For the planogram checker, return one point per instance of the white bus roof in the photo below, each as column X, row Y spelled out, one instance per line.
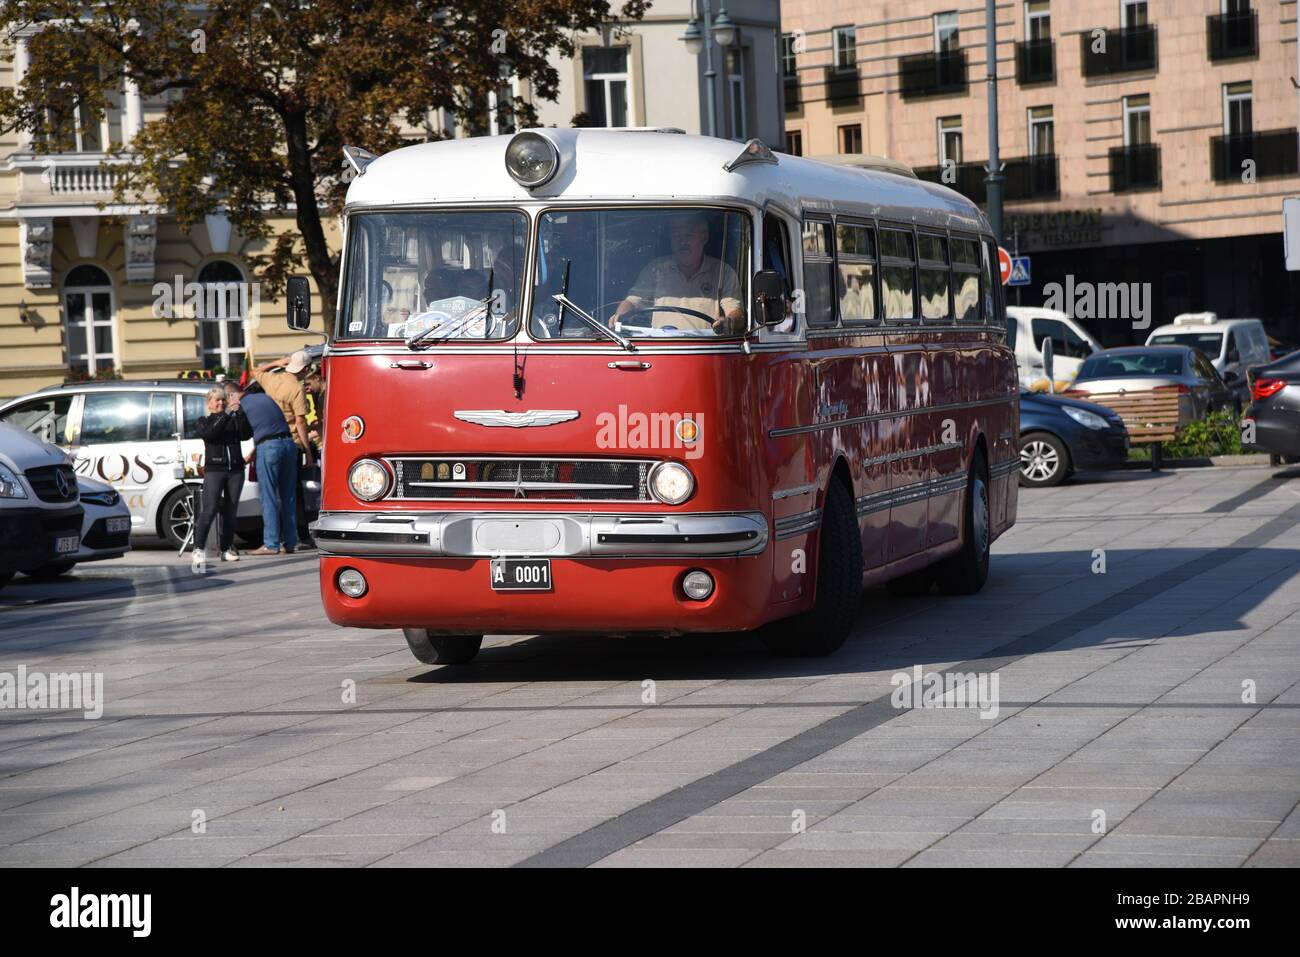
column 632, row 165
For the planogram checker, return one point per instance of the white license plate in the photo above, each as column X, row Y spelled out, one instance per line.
column 521, row 574
column 119, row 525
column 67, row 544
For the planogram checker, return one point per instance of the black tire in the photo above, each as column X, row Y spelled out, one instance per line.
column 52, row 570
column 966, row 572
column 176, row 517
column 825, row 627
column 442, row 649
column 1044, row 460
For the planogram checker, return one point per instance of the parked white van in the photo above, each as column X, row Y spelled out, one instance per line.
column 123, row 432
column 1028, row 326
column 1234, row 346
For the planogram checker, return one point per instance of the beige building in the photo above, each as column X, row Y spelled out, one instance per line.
column 78, row 277
column 1144, row 140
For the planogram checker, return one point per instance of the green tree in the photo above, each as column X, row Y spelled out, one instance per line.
column 261, row 95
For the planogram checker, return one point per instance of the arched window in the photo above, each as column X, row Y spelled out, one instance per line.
column 221, row 326
column 88, row 317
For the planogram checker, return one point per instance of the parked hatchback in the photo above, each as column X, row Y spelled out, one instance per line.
column 137, row 436
column 1061, row 436
column 1156, row 368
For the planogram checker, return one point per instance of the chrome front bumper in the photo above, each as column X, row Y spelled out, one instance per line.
column 534, row 534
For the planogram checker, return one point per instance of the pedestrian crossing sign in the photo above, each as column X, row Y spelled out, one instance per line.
column 1020, row 272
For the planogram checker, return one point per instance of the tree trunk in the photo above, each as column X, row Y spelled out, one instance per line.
column 310, row 226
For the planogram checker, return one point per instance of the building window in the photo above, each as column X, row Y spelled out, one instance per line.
column 794, row 142
column 88, row 316
column 736, row 88
column 950, row 141
column 605, row 83
column 851, row 138
column 789, row 58
column 1042, row 131
column 1134, row 14
column 846, row 48
column 1238, row 109
column 221, row 327
column 1137, row 120
column 947, row 38
column 1038, row 20
column 70, row 127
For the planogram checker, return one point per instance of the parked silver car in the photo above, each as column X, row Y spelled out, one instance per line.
column 105, row 529
column 1144, row 368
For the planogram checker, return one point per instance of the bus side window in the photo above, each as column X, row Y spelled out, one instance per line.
column 993, row 315
column 966, row 279
column 818, row 273
column 776, row 250
column 898, row 273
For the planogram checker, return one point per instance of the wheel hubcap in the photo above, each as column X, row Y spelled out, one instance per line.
column 1038, row 461
column 182, row 518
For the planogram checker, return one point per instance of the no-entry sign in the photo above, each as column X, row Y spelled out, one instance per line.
column 1004, row 261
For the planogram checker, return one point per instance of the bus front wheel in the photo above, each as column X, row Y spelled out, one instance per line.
column 825, row 627
column 442, row 649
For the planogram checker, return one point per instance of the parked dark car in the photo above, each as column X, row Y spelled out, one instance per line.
column 1275, row 408
column 1060, row 436
column 1147, row 368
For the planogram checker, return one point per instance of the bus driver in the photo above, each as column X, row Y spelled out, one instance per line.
column 688, row 280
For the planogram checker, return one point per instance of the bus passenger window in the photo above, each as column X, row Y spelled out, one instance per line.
column 776, row 249
column 898, row 273
column 992, row 316
column 856, row 245
column 818, row 274
column 934, row 277
column 966, row 279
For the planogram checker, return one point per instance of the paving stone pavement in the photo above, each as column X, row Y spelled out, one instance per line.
column 1147, row 715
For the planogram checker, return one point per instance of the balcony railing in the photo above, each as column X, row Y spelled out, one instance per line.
column 842, row 85
column 1126, row 50
column 1231, row 36
column 1134, row 168
column 1026, row 178
column 932, row 74
column 1036, row 61
column 1274, row 153
column 1032, row 177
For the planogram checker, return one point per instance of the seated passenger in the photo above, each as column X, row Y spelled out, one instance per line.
column 691, row 280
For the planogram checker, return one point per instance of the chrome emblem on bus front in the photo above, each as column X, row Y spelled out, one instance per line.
column 516, row 420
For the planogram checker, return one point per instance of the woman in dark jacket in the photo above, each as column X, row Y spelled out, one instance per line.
column 222, row 430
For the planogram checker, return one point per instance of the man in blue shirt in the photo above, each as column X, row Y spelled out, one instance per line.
column 277, row 473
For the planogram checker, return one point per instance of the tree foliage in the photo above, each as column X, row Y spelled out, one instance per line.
column 261, row 95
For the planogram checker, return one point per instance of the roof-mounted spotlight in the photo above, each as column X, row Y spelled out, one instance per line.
column 532, row 160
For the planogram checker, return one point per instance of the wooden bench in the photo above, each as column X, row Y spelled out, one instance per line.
column 1152, row 416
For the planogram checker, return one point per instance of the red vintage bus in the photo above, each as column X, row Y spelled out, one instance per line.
column 633, row 381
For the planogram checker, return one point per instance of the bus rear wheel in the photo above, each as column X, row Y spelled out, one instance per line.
column 966, row 572
column 442, row 649
column 825, row 627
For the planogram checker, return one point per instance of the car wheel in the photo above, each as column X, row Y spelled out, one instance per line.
column 966, row 572
column 1044, row 460
column 839, row 585
column 52, row 570
column 176, row 518
column 442, row 649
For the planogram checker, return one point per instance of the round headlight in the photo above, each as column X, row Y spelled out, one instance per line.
column 531, row 159
column 368, row 480
column 352, row 583
column 671, row 483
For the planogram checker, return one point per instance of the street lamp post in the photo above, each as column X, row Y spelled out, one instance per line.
column 696, row 39
column 995, row 177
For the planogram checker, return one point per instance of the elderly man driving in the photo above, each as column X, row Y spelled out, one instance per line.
column 689, row 280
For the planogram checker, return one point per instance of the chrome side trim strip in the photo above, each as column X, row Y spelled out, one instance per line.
column 880, row 416
column 540, row 534
column 784, row 493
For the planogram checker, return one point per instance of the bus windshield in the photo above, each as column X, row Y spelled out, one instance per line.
column 673, row 273
column 450, row 274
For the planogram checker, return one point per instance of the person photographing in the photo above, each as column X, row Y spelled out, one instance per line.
column 221, row 430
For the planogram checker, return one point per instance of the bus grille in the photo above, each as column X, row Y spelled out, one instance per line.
column 570, row 480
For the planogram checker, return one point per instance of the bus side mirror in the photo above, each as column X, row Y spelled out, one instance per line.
column 299, row 292
column 769, row 297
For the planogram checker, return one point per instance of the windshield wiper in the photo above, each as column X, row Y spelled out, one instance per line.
column 427, row 338
column 565, row 302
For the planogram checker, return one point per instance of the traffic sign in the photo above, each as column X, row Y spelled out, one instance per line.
column 1020, row 272
column 1004, row 261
